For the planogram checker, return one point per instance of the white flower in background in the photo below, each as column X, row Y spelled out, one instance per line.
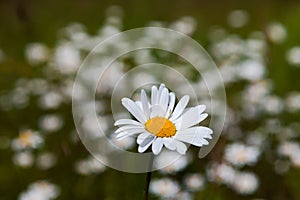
column 221, row 173
column 183, row 195
column 161, row 123
column 23, row 159
column 276, row 32
column 50, row 100
column 245, row 183
column 293, row 56
column 288, row 148
column 240, row 154
column 252, row 70
column 40, row 190
column 46, row 160
column 38, row 86
column 27, row 139
column 67, row 58
column 36, row 53
column 171, row 162
column 230, row 46
column 51, row 122
column 272, row 105
column 126, row 143
column 292, row 102
column 194, row 182
column 89, row 166
column 238, row 18
column 256, row 138
column 186, row 25
column 256, row 91
column 164, row 188
column 292, row 151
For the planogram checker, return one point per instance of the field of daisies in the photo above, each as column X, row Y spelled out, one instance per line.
column 255, row 47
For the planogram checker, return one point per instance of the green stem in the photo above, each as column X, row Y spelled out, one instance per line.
column 148, row 178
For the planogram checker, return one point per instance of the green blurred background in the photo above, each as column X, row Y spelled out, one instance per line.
column 26, row 21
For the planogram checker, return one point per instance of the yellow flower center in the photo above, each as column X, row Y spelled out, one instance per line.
column 161, row 127
column 25, row 137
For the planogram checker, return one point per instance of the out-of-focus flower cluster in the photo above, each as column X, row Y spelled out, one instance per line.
column 256, row 130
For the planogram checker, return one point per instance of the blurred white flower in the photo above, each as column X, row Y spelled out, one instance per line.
column 40, row 190
column 183, row 195
column 221, row 173
column 245, row 183
column 251, row 70
column 50, row 100
column 46, row 160
column 292, row 102
column 67, row 59
column 27, row 139
column 171, row 161
column 238, row 18
column 51, row 122
column 240, row 154
column 38, row 86
column 276, row 32
column 159, row 125
column 273, row 104
column 194, row 182
column 293, row 56
column 110, row 77
column 143, row 56
column 126, row 143
column 292, row 151
column 256, row 139
column 140, row 78
column 288, row 148
column 230, row 46
column 186, row 25
column 36, row 53
column 256, row 91
column 164, row 188
column 23, row 159
column 89, row 166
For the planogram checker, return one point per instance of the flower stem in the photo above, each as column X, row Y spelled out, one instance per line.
column 148, row 178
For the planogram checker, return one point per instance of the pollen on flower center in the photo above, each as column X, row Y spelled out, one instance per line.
column 161, row 127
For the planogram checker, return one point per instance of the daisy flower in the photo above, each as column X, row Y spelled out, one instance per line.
column 160, row 123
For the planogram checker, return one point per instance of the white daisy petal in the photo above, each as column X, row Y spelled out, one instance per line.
column 196, row 135
column 157, row 111
column 122, row 136
column 171, row 105
column 190, row 117
column 169, row 143
column 154, row 95
column 139, row 104
column 203, row 131
column 164, row 99
column 146, row 144
column 129, row 127
column 157, row 146
column 121, row 122
column 130, row 132
column 180, row 147
column 160, row 90
column 180, row 107
column 145, row 104
column 134, row 109
column 141, row 138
